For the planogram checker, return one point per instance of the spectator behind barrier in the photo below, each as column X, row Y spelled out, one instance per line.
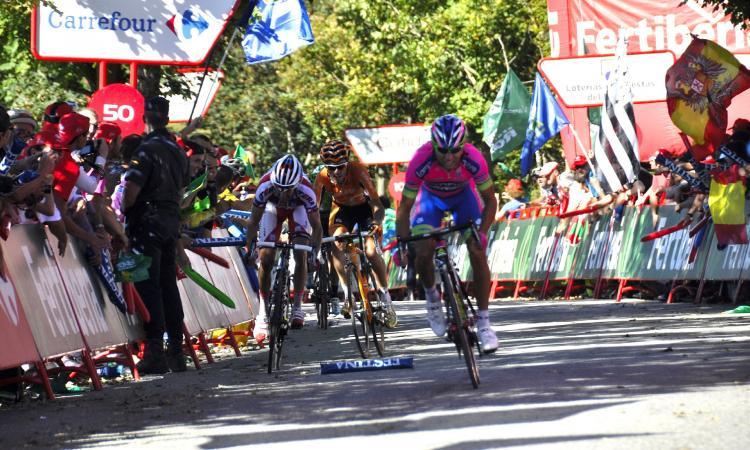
column 514, row 196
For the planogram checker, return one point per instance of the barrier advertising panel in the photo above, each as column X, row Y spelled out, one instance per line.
column 32, row 267
column 96, row 315
column 226, row 280
column 17, row 341
column 210, row 313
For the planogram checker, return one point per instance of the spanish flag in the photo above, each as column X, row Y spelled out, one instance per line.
column 726, row 200
column 700, row 87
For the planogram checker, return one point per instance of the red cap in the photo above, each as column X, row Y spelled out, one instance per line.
column 580, row 161
column 709, row 160
column 514, row 185
column 44, row 137
column 108, row 131
column 72, row 125
column 55, row 111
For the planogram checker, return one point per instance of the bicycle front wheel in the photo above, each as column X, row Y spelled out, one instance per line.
column 360, row 322
column 460, row 328
column 277, row 325
column 322, row 294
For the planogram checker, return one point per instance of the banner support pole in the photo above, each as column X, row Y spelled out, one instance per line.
column 134, row 74
column 102, row 74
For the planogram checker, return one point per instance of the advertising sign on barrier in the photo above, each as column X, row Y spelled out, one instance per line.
column 32, row 267
column 98, row 318
column 158, row 32
column 210, row 313
column 732, row 263
column 17, row 341
column 226, row 280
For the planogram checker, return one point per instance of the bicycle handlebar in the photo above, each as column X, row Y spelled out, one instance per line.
column 441, row 232
column 346, row 237
column 305, row 248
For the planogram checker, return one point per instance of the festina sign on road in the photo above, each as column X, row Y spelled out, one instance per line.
column 387, row 144
column 579, row 81
column 158, row 31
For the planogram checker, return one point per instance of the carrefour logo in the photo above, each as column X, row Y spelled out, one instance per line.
column 187, row 25
column 113, row 22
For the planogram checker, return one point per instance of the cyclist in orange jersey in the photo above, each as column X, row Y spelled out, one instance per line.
column 355, row 202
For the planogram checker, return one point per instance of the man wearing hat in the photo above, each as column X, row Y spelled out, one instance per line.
column 154, row 185
column 547, row 177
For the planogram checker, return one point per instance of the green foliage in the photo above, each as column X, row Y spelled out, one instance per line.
column 739, row 9
column 373, row 63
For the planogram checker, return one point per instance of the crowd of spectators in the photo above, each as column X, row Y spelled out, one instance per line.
column 152, row 193
column 656, row 184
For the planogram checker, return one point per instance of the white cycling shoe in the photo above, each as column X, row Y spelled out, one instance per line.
column 436, row 317
column 260, row 330
column 487, row 339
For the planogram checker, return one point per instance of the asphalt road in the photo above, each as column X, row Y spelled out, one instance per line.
column 580, row 374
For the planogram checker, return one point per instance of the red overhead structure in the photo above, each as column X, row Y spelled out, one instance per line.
column 592, row 27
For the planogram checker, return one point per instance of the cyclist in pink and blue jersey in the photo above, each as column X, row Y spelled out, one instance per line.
column 449, row 174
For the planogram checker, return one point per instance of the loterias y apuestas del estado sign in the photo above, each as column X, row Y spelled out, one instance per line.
column 160, row 32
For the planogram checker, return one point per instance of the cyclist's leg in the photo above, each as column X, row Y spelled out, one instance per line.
column 465, row 207
column 429, row 211
column 269, row 230
column 300, row 230
column 340, row 223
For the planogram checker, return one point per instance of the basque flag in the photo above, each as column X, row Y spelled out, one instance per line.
column 284, row 27
column 616, row 154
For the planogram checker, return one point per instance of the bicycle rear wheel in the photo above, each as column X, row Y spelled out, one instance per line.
column 377, row 324
column 360, row 324
column 460, row 329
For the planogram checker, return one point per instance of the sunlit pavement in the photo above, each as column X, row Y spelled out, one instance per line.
column 580, row 374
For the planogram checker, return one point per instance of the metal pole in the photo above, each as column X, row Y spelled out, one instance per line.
column 102, row 74
column 134, row 75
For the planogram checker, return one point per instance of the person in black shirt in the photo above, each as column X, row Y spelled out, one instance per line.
column 154, row 185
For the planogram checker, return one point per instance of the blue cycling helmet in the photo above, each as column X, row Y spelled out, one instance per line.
column 448, row 132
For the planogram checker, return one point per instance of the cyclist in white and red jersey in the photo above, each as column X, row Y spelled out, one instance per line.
column 284, row 194
column 448, row 174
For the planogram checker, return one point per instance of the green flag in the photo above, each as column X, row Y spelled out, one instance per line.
column 242, row 155
column 196, row 185
column 506, row 122
column 202, row 204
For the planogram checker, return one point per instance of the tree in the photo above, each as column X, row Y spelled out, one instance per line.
column 739, row 9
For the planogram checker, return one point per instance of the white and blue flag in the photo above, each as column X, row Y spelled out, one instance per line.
column 283, row 27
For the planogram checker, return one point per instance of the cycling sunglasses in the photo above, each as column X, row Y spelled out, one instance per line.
column 336, row 167
column 453, row 150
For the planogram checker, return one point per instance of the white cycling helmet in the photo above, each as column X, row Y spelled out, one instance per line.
column 235, row 164
column 286, row 172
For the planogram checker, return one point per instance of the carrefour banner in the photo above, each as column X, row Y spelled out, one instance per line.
column 159, row 31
